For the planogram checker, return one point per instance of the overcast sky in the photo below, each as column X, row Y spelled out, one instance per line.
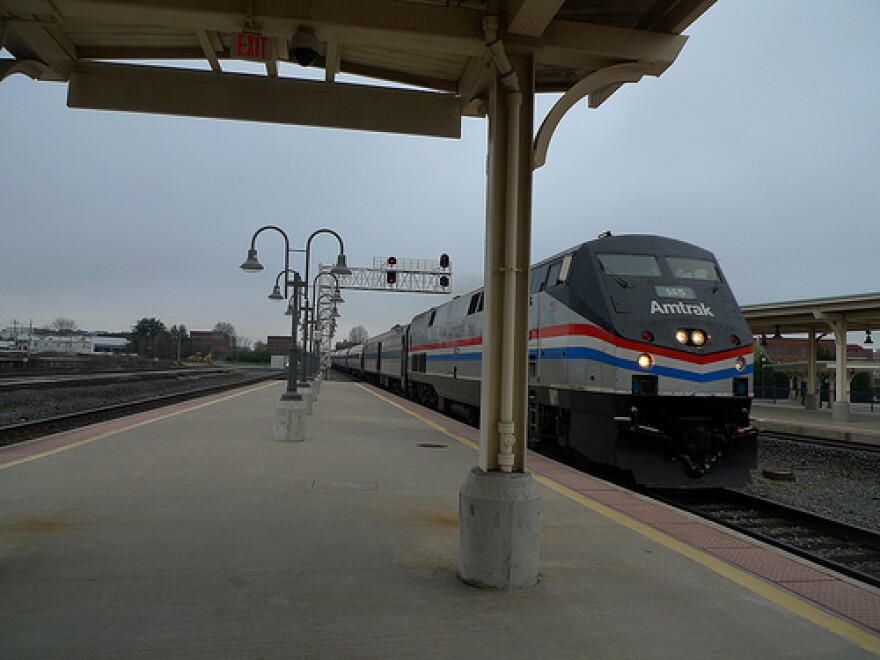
column 761, row 143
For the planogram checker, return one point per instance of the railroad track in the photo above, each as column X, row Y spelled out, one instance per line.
column 849, row 550
column 824, row 442
column 23, row 431
column 38, row 381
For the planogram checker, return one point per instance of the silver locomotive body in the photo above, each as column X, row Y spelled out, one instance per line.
column 639, row 359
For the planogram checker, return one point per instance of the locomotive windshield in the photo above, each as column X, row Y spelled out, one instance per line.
column 694, row 269
column 636, row 265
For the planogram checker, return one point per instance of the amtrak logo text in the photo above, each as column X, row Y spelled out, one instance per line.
column 701, row 309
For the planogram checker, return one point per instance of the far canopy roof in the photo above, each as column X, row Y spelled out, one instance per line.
column 861, row 312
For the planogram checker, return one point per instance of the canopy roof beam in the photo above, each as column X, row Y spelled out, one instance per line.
column 99, row 86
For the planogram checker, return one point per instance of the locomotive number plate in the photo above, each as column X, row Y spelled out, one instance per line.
column 677, row 292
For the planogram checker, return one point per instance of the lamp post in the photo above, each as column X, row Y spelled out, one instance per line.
column 291, row 411
column 325, row 321
column 341, row 268
column 335, row 298
column 764, row 361
column 253, row 265
column 293, row 310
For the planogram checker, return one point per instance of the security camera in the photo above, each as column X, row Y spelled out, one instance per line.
column 304, row 47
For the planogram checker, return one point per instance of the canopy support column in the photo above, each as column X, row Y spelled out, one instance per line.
column 812, row 398
column 842, row 410
column 499, row 503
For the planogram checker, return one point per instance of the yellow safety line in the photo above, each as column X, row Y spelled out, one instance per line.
column 101, row 436
column 771, row 592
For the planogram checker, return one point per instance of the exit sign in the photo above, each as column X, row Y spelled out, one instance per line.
column 247, row 46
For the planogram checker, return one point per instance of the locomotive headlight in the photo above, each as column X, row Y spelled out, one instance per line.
column 740, row 363
column 681, row 336
column 698, row 337
column 646, row 361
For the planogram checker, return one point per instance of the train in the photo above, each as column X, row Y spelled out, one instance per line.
column 639, row 359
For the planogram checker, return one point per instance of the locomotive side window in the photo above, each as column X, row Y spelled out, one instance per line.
column 635, row 265
column 694, row 269
column 553, row 274
column 476, row 304
column 539, row 276
column 419, row 362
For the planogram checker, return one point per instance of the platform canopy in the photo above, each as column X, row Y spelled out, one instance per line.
column 438, row 46
column 861, row 312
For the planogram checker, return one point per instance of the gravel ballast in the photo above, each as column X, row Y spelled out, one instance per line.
column 27, row 405
column 843, row 484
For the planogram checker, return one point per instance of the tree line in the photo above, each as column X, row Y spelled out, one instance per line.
column 151, row 338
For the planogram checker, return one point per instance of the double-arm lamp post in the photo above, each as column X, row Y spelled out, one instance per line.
column 293, row 285
column 293, row 281
column 332, row 299
column 325, row 325
column 341, row 268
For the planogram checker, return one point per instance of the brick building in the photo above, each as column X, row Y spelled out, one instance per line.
column 203, row 342
column 783, row 350
column 278, row 344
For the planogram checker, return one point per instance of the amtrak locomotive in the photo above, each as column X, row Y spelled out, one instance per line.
column 639, row 359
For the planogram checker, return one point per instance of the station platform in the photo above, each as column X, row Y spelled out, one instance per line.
column 190, row 533
column 791, row 417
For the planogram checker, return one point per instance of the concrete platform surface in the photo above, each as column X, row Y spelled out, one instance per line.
column 791, row 417
column 191, row 533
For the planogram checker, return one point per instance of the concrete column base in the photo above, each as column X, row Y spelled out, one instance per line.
column 811, row 402
column 499, row 530
column 290, row 421
column 308, row 396
column 841, row 411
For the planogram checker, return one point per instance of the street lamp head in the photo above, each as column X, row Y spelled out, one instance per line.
column 252, row 264
column 341, row 267
column 276, row 293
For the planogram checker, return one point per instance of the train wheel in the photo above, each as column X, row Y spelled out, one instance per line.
column 431, row 399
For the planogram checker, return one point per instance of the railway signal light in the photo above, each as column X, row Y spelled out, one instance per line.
column 391, row 276
column 444, row 260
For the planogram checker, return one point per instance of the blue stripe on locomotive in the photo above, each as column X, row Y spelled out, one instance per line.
column 582, row 353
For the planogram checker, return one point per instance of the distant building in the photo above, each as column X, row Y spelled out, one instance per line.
column 791, row 355
column 16, row 337
column 278, row 344
column 203, row 342
column 784, row 350
column 76, row 344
